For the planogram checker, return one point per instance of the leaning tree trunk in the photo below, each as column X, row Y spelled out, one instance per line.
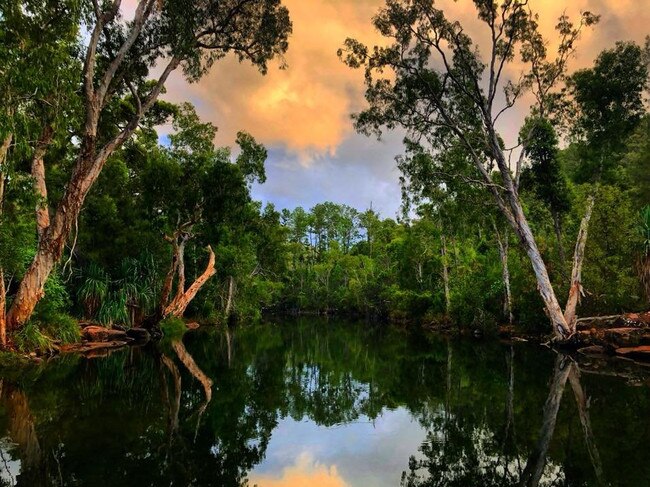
column 91, row 158
column 510, row 205
column 576, row 291
column 52, row 242
column 183, row 297
column 560, row 326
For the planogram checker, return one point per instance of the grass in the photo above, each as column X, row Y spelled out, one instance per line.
column 30, row 339
column 63, row 328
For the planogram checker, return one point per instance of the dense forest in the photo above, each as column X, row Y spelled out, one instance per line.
column 117, row 208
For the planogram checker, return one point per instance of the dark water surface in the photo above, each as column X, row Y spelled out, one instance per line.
column 325, row 404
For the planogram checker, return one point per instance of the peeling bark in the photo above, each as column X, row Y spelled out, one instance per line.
column 90, row 159
column 576, row 291
column 178, row 305
column 38, row 174
column 4, row 149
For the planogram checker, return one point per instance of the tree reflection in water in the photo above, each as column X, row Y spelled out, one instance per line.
column 476, row 464
column 204, row 411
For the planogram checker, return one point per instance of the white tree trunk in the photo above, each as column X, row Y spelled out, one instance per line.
column 576, row 291
column 445, row 273
column 502, row 242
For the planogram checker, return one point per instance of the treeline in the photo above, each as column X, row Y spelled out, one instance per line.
column 105, row 218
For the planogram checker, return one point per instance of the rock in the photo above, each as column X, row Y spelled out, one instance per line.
column 193, row 325
column 95, row 333
column 592, row 350
column 139, row 334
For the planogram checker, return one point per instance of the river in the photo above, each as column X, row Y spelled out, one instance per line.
column 325, row 404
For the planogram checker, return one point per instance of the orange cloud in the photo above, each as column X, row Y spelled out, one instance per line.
column 305, row 109
column 306, row 472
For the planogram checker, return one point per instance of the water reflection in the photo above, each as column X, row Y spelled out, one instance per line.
column 322, row 404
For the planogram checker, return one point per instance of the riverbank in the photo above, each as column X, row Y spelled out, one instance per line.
column 625, row 337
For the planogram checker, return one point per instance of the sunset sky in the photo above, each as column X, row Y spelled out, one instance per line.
column 302, row 114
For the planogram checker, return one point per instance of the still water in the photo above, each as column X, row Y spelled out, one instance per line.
column 325, row 404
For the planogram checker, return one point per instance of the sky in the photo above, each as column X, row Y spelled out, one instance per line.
column 302, row 113
column 357, row 454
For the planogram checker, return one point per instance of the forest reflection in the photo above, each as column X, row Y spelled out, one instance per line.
column 226, row 407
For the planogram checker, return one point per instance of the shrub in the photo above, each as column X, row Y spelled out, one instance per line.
column 30, row 338
column 173, row 328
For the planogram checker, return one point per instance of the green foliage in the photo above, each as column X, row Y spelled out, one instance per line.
column 62, row 328
column 30, row 338
column 608, row 98
column 173, row 328
column 644, row 230
column 544, row 175
column 93, row 289
column 55, row 302
column 331, row 258
column 113, row 309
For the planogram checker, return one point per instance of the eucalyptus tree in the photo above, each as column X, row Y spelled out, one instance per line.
column 37, row 55
column 118, row 58
column 432, row 81
column 192, row 190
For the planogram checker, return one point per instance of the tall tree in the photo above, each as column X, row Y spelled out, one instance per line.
column 606, row 105
column 432, row 81
column 118, row 57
